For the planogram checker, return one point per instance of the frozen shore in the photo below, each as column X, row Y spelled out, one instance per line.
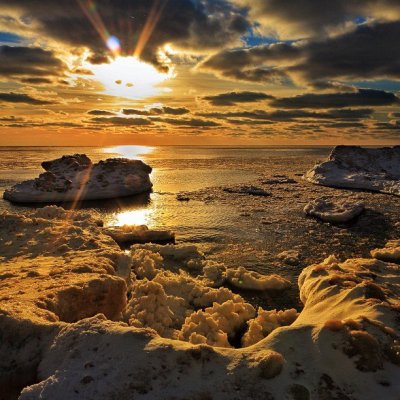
column 80, row 318
column 75, row 178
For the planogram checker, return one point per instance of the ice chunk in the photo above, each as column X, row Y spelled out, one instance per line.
column 245, row 279
column 139, row 234
column 265, row 322
column 354, row 167
column 75, row 178
column 216, row 324
column 334, row 210
column 390, row 253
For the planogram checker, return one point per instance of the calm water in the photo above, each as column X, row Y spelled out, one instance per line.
column 239, row 230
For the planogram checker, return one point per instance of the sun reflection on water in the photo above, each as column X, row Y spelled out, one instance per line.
column 131, row 152
column 132, row 217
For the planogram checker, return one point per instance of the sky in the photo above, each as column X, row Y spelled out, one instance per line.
column 199, row 72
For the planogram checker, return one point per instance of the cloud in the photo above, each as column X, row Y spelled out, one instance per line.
column 156, row 111
column 140, row 26
column 307, row 18
column 22, row 98
column 362, row 98
column 292, row 115
column 232, row 98
column 30, row 64
column 101, row 112
column 121, row 121
column 367, row 52
column 193, row 122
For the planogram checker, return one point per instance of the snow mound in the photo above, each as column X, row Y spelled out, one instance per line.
column 334, row 210
column 76, row 178
column 390, row 253
column 354, row 167
column 245, row 279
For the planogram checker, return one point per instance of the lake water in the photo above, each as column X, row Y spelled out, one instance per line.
column 240, row 230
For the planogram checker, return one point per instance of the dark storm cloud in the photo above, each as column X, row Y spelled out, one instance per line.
column 292, row 115
column 302, row 18
column 101, row 112
column 369, row 51
column 198, row 25
column 29, row 64
column 254, row 64
column 363, row 98
column 121, row 121
column 156, row 111
column 22, row 98
column 232, row 98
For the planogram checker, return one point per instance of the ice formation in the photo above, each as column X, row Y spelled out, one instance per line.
column 251, row 190
column 390, row 253
column 75, row 178
column 245, row 279
column 334, row 210
column 265, row 322
column 139, row 234
column 354, row 167
column 290, row 257
column 69, row 331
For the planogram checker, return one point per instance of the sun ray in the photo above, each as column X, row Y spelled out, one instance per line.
column 151, row 23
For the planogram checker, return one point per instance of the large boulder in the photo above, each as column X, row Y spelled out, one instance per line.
column 354, row 167
column 76, row 178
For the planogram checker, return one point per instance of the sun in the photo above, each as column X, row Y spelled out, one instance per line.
column 130, row 78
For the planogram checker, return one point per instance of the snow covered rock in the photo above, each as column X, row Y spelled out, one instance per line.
column 332, row 210
column 139, row 234
column 354, row 167
column 245, row 279
column 76, row 178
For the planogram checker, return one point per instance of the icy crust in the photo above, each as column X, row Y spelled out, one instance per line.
column 73, row 178
column 343, row 345
column 355, row 167
column 334, row 210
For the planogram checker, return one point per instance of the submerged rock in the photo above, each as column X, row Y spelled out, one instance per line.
column 335, row 211
column 76, row 178
column 354, row 167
